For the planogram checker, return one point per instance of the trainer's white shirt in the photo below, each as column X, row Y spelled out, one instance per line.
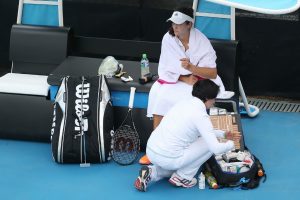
column 181, row 126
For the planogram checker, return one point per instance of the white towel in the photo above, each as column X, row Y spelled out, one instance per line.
column 200, row 49
column 200, row 53
column 24, row 84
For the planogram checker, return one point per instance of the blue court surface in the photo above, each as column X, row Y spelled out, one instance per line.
column 27, row 170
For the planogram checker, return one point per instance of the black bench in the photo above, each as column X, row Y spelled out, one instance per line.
column 132, row 50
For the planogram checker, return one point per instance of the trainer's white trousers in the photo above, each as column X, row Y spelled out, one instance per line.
column 185, row 166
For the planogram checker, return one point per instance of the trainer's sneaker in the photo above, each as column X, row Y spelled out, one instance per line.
column 182, row 182
column 143, row 179
column 144, row 160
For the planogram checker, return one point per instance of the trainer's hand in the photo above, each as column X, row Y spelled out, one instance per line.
column 185, row 63
column 234, row 137
column 230, row 144
column 228, row 135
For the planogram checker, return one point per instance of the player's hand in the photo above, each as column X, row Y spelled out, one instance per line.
column 189, row 79
column 185, row 63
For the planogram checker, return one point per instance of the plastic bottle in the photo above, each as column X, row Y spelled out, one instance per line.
column 201, row 181
column 212, row 182
column 144, row 65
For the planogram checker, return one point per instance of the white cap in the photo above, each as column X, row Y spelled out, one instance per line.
column 180, row 18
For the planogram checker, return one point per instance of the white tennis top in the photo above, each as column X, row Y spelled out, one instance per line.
column 181, row 126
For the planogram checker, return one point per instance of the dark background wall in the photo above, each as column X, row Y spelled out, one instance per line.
column 270, row 52
column 8, row 16
column 270, row 48
column 122, row 19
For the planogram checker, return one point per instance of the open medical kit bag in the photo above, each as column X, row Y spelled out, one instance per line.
column 238, row 168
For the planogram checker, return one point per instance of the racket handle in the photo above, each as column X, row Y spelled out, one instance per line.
column 131, row 97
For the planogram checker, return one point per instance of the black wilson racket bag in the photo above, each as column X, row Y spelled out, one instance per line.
column 83, row 121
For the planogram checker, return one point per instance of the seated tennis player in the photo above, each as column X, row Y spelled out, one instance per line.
column 184, row 140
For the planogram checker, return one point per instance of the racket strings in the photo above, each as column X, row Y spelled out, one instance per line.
column 126, row 145
column 126, row 117
column 126, row 142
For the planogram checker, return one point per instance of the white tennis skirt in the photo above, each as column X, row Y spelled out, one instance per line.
column 163, row 96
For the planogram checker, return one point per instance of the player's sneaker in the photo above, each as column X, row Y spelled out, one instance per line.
column 144, row 160
column 143, row 179
column 182, row 182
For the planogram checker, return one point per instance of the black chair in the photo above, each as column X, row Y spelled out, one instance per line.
column 35, row 51
column 227, row 69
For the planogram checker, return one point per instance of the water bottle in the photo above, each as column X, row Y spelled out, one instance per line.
column 201, row 181
column 212, row 182
column 144, row 65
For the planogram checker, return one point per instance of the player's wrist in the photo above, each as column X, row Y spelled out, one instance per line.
column 191, row 67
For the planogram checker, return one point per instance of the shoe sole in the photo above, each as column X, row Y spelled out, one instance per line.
column 140, row 181
column 144, row 163
column 144, row 160
column 139, row 185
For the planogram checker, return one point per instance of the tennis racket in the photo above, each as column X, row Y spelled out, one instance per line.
column 126, row 141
